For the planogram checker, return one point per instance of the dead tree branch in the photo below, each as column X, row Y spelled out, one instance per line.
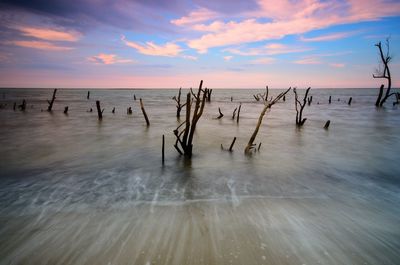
column 179, row 106
column 49, row 108
column 220, row 114
column 144, row 112
column 267, row 106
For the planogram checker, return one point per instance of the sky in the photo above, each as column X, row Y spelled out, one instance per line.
column 177, row 43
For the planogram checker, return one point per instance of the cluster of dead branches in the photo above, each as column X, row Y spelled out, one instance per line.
column 184, row 138
column 300, row 107
column 384, row 74
column 179, row 105
column 263, row 97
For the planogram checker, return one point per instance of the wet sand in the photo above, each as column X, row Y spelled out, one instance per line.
column 246, row 231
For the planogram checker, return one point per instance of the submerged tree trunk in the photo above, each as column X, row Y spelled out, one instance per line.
column 144, row 112
column 384, row 74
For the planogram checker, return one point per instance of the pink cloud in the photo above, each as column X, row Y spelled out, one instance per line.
column 269, row 49
column 290, row 18
column 337, row 65
column 267, row 60
column 103, row 58
column 40, row 45
column 328, row 37
column 228, row 58
column 49, row 34
column 308, row 60
column 197, row 16
column 169, row 49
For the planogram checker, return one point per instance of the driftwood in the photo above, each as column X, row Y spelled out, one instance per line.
column 179, row 106
column 51, row 102
column 185, row 137
column 238, row 114
column 99, row 111
column 300, row 107
column 326, row 126
column 349, row 102
column 384, row 74
column 144, row 113
column 267, row 106
column 66, row 110
column 220, row 114
column 263, row 96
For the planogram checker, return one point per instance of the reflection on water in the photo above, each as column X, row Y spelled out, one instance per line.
column 56, row 163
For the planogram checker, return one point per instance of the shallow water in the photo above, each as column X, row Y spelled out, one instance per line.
column 98, row 190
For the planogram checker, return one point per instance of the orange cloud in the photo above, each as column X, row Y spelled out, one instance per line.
column 103, row 58
column 267, row 60
column 337, row 65
column 169, row 49
column 49, row 34
column 40, row 45
column 269, row 49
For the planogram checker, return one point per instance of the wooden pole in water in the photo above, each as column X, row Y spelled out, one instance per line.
column 163, row 149
column 144, row 112
column 328, row 122
column 88, row 95
column 350, row 99
column 99, row 112
column 52, row 100
column 66, row 110
column 330, row 99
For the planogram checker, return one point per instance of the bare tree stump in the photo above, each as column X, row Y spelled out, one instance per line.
column 113, row 111
column 15, row 106
column 350, row 99
column 234, row 113
column 22, row 107
column 144, row 113
column 129, row 111
column 66, row 110
column 88, row 95
column 99, row 111
column 330, row 99
column 232, row 144
column 179, row 106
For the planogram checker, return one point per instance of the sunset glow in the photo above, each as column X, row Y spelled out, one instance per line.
column 169, row 44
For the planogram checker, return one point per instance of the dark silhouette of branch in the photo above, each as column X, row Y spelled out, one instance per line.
column 300, row 107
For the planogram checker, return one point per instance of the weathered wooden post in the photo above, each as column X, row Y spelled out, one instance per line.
column 163, row 149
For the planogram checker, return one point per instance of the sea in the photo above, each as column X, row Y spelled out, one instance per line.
column 78, row 190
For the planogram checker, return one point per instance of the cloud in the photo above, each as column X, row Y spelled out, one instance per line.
column 189, row 57
column 337, row 65
column 169, row 49
column 266, row 60
column 328, row 37
column 49, row 34
column 228, row 58
column 308, row 60
column 199, row 15
column 104, row 58
column 40, row 45
column 269, row 49
column 290, row 18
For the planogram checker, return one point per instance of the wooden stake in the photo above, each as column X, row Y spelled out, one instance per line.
column 328, row 122
column 350, row 99
column 52, row 100
column 66, row 110
column 237, row 118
